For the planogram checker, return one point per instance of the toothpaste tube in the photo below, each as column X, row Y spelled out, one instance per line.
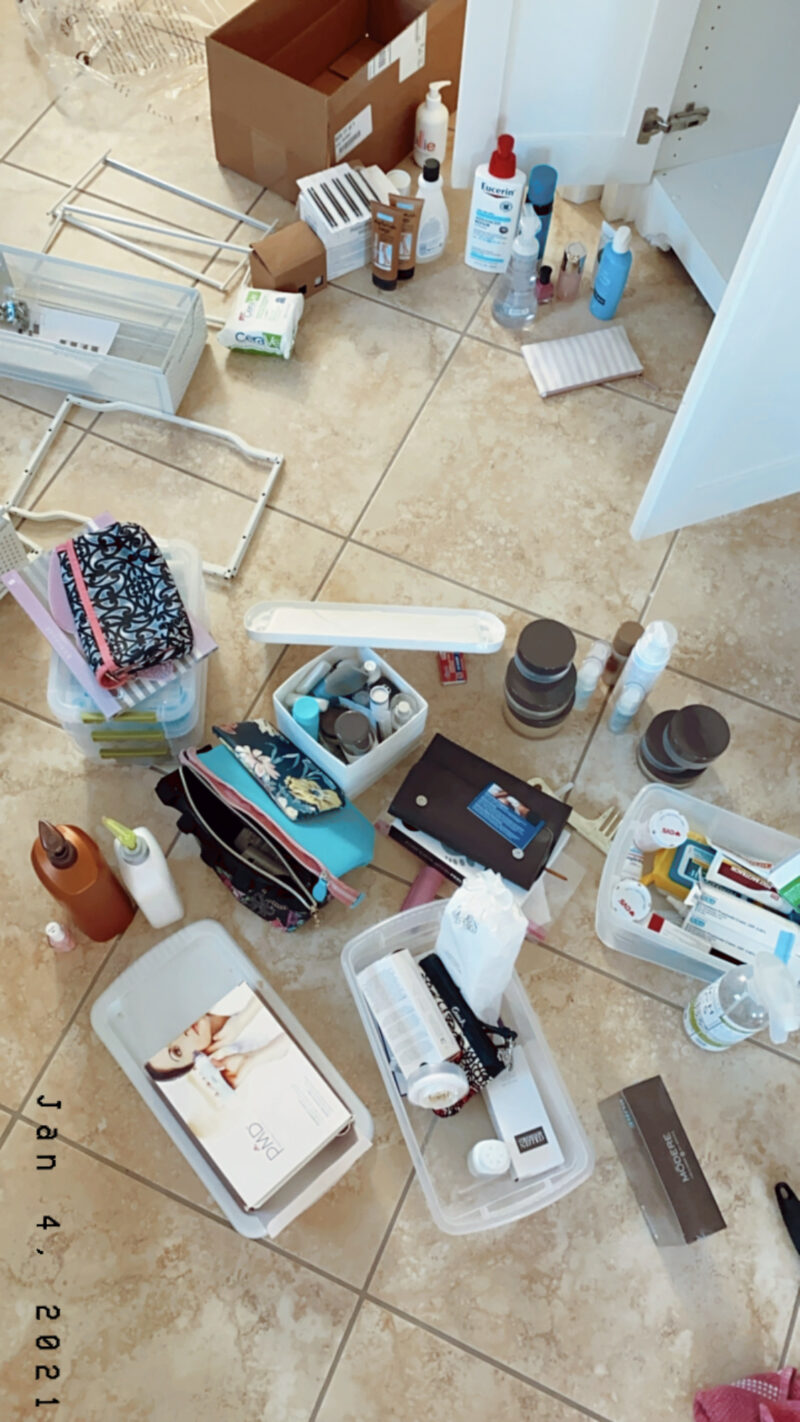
column 739, row 928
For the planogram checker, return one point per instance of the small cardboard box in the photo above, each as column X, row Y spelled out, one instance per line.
column 297, row 85
column 662, row 1168
column 292, row 259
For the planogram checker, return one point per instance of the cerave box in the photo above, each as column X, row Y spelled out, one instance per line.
column 282, row 105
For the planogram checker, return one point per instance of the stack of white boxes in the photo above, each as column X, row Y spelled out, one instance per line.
column 336, row 205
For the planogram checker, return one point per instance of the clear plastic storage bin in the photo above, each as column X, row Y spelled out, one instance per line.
column 353, row 779
column 166, row 722
column 162, row 331
column 721, row 827
column 459, row 1203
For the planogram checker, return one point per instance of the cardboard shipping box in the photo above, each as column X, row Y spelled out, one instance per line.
column 297, row 85
column 291, row 259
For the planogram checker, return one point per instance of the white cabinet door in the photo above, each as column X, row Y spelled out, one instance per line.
column 735, row 440
column 571, row 82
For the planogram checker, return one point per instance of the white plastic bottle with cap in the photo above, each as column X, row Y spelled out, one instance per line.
column 434, row 220
column 649, row 657
column 497, row 194
column 589, row 673
column 611, row 275
column 144, row 871
column 430, row 127
column 516, row 301
column 625, row 707
column 744, row 1000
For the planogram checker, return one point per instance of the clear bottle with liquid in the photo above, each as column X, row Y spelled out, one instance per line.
column 745, row 1000
column 516, row 301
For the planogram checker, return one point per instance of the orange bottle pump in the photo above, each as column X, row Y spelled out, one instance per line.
column 72, row 868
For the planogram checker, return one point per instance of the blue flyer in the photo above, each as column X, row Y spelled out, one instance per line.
column 506, row 815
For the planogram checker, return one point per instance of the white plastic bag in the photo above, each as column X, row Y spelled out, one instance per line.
column 481, row 934
column 116, row 57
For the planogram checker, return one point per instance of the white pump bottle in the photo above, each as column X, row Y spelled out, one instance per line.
column 515, row 302
column 145, row 873
column 430, row 127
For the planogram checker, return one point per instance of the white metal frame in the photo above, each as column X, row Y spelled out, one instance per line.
column 261, row 456
column 67, row 211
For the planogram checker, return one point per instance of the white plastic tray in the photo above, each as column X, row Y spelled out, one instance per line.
column 459, row 1203
column 153, row 1000
column 315, row 624
column 722, row 827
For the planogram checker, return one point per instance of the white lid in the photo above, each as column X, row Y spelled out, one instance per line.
column 656, row 643
column 489, row 1157
column 775, row 987
column 630, row 897
column 348, row 624
column 622, row 239
column 437, row 1087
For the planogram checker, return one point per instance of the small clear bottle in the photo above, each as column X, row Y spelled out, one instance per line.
column 569, row 278
column 744, row 1000
column 516, row 301
column 589, row 673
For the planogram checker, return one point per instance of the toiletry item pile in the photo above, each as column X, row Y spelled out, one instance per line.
column 350, row 706
column 721, row 903
column 440, row 1024
column 336, row 203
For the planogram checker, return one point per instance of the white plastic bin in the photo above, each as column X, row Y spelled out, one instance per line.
column 721, row 827
column 162, row 331
column 356, row 777
column 152, row 1001
column 458, row 1202
column 166, row 722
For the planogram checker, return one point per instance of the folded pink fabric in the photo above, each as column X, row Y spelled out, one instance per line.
column 764, row 1397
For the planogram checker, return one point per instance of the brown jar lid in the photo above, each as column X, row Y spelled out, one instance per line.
column 626, row 637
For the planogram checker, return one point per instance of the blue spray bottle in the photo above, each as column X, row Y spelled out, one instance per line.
column 611, row 275
column 541, row 192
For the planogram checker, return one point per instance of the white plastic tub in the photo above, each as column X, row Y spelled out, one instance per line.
column 152, row 1001
column 166, row 722
column 458, row 1202
column 162, row 331
column 356, row 777
column 722, row 827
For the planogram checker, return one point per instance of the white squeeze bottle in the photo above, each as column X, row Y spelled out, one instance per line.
column 434, row 220
column 515, row 301
column 744, row 1000
column 494, row 214
column 649, row 656
column 144, row 871
column 430, row 128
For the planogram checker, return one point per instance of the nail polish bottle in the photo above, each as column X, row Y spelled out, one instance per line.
column 544, row 285
column 569, row 278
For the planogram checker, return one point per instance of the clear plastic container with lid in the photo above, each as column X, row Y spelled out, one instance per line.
column 459, row 1202
column 166, row 722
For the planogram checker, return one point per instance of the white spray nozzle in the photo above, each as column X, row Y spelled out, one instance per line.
column 434, row 94
column 526, row 242
column 775, row 986
column 622, row 239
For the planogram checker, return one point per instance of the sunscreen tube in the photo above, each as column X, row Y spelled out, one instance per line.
column 410, row 210
column 386, row 226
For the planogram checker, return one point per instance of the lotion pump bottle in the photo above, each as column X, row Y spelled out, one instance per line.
column 430, row 128
column 72, row 868
column 145, row 874
column 494, row 213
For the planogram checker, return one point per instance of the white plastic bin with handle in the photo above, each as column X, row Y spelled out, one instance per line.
column 459, row 1203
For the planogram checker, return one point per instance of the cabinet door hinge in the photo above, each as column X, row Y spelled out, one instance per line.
column 652, row 122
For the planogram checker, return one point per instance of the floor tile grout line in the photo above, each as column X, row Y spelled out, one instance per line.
column 174, row 468
column 337, row 1357
column 410, row 430
column 194, row 1206
column 28, row 711
column 400, row 310
column 789, row 1332
column 658, row 575
column 482, row 1357
column 23, row 136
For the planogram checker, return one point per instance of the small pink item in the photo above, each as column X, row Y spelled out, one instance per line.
column 60, row 938
column 763, row 1397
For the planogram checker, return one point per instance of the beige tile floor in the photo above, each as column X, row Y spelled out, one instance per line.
column 420, row 467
